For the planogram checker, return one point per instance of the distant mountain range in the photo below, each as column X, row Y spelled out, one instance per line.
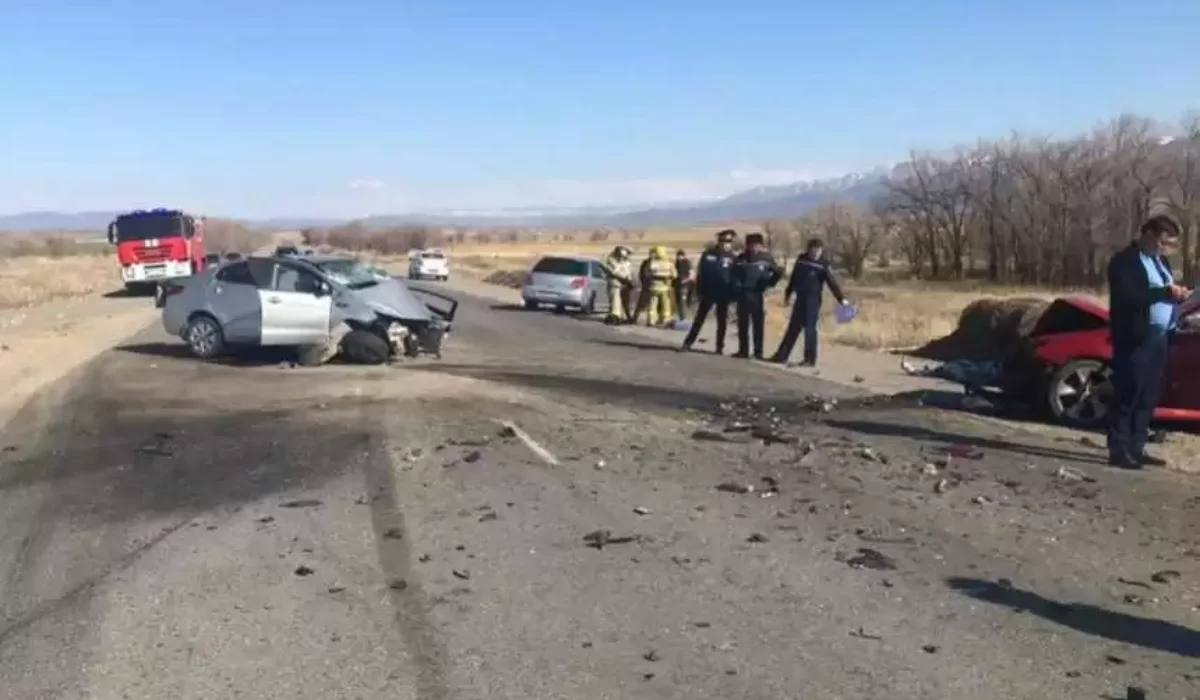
column 770, row 202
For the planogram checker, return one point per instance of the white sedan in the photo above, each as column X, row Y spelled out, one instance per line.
column 429, row 264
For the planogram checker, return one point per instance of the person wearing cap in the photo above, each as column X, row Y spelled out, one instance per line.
column 810, row 275
column 684, row 284
column 714, row 287
column 754, row 272
column 619, row 268
column 1142, row 295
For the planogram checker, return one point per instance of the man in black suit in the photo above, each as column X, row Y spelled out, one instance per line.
column 1142, row 297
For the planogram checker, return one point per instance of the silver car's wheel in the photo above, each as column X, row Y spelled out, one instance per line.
column 204, row 337
column 1081, row 393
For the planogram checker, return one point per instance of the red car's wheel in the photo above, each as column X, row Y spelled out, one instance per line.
column 1080, row 393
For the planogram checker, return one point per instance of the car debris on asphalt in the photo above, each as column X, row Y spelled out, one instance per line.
column 303, row 503
column 600, row 539
column 868, row 558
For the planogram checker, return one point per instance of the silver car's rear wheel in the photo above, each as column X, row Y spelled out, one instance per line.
column 1080, row 393
column 204, row 337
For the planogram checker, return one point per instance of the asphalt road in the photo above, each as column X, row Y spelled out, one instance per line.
column 173, row 528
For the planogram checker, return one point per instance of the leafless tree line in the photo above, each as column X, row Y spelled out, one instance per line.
column 1021, row 210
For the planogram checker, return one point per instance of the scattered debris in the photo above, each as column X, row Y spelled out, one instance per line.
column 158, row 448
column 771, row 436
column 1065, row 473
column 602, row 538
column 714, row 436
column 772, row 486
column 641, row 511
column 872, row 559
column 303, row 570
column 1165, row 576
column 868, row 454
column 393, row 533
column 472, row 456
column 302, row 503
column 964, row 451
column 461, row 574
column 867, row 535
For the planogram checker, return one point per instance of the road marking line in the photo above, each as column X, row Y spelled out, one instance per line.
column 542, row 453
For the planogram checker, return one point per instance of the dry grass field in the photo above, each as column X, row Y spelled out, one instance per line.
column 34, row 270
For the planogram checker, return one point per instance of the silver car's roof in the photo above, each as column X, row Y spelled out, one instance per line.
column 576, row 258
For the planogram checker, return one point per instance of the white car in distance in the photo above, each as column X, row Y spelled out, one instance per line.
column 428, row 264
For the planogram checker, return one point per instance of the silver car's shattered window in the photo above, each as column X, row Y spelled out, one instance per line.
column 352, row 274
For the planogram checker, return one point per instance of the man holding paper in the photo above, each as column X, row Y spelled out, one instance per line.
column 810, row 275
column 1142, row 300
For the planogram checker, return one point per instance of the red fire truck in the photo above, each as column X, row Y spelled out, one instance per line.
column 157, row 245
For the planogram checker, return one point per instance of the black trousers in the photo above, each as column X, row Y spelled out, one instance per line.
column 805, row 314
column 643, row 300
column 709, row 303
column 1138, row 370
column 750, row 315
column 683, row 293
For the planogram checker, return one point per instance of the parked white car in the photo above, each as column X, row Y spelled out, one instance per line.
column 429, row 264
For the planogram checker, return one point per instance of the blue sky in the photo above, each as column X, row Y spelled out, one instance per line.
column 272, row 107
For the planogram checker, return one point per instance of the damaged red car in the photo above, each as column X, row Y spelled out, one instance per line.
column 1072, row 343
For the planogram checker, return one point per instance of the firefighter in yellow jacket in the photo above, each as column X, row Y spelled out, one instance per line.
column 619, row 266
column 662, row 279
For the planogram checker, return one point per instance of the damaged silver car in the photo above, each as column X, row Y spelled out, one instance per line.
column 321, row 305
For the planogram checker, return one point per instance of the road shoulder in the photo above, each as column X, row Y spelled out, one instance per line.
column 41, row 344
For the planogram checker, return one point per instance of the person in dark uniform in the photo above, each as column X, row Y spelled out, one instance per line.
column 684, row 284
column 713, row 285
column 754, row 272
column 811, row 274
column 1142, row 295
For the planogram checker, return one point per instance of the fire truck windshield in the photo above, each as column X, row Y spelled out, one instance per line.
column 146, row 226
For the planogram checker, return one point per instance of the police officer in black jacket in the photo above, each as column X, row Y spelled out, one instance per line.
column 810, row 275
column 1142, row 297
column 754, row 272
column 714, row 285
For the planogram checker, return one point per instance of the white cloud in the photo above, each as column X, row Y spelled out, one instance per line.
column 367, row 184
